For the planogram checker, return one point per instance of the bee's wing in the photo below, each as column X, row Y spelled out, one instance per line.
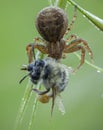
column 60, row 105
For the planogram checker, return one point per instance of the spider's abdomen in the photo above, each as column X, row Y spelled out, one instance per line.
column 52, row 23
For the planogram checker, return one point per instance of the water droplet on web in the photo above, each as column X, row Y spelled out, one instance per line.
column 23, row 99
column 98, row 71
column 89, row 53
column 84, row 16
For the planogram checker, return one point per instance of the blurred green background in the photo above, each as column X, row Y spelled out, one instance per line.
column 83, row 98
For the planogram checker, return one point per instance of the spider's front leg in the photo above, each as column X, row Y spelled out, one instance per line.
column 73, row 46
column 30, row 49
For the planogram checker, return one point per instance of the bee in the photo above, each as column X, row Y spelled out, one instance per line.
column 52, row 25
column 52, row 74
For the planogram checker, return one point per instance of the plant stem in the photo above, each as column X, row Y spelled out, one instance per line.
column 24, row 103
column 38, row 86
column 92, row 18
column 61, row 3
column 58, row 3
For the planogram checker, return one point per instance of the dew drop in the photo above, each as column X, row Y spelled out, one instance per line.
column 84, row 16
column 22, row 99
column 98, row 71
column 89, row 53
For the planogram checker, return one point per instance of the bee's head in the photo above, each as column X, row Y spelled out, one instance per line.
column 34, row 69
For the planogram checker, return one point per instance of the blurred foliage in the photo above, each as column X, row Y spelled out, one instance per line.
column 83, row 98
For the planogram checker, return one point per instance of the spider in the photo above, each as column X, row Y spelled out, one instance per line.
column 52, row 25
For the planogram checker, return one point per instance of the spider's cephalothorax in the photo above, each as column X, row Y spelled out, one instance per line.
column 53, row 75
column 52, row 24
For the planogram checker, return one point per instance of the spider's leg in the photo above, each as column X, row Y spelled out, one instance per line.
column 73, row 21
column 41, row 92
column 87, row 47
column 39, row 39
column 30, row 50
column 78, row 41
column 75, row 48
column 73, row 36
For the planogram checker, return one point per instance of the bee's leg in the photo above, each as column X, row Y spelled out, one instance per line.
column 41, row 92
column 30, row 50
column 54, row 93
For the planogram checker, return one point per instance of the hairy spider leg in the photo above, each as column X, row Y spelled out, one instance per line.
column 73, row 46
column 30, row 52
column 77, row 48
column 73, row 21
column 79, row 41
column 32, row 46
column 39, row 39
column 73, row 36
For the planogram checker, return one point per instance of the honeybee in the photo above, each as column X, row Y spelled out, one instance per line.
column 52, row 74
